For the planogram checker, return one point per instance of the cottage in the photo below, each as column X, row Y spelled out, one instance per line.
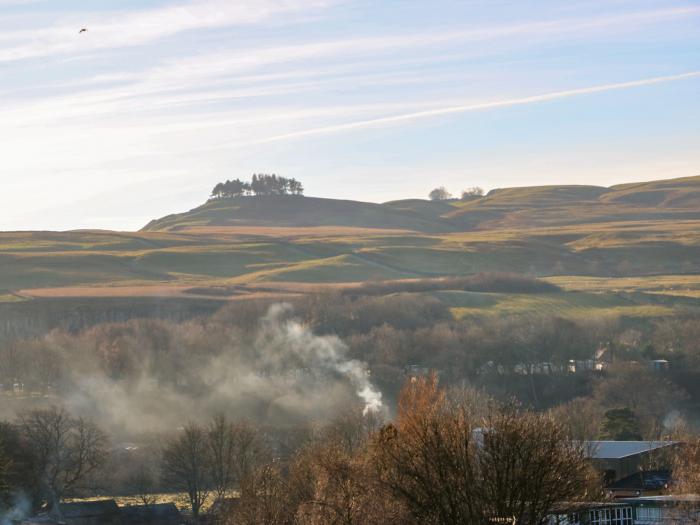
column 620, row 459
column 156, row 514
column 659, row 365
column 642, row 483
column 103, row 512
column 652, row 510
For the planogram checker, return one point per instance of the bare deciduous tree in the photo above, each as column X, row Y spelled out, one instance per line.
column 352, row 429
column 186, row 465
column 426, row 458
column 235, row 450
column 580, row 417
column 249, row 450
column 345, row 492
column 143, row 482
column 686, row 475
column 471, row 193
column 527, row 464
column 439, row 194
column 221, row 440
column 448, row 467
column 264, row 499
column 66, row 450
column 5, row 467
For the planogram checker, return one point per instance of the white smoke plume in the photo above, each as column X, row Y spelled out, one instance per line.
column 19, row 509
column 319, row 352
column 282, row 374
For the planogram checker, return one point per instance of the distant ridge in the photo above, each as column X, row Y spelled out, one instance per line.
column 505, row 207
column 573, row 233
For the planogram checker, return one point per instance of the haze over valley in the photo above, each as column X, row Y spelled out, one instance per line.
column 343, row 262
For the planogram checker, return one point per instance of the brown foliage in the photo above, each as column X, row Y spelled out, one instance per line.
column 449, row 467
column 345, row 492
column 686, row 476
column 264, row 499
column 650, row 396
column 328, row 481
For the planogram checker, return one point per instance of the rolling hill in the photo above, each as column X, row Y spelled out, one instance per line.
column 501, row 208
column 299, row 211
column 647, row 233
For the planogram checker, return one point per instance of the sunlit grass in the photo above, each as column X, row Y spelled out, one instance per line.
column 683, row 284
column 180, row 499
column 570, row 305
column 10, row 298
column 550, row 231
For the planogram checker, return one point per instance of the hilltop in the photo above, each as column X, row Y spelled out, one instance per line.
column 500, row 208
column 297, row 211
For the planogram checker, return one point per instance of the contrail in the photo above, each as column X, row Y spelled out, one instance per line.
column 477, row 107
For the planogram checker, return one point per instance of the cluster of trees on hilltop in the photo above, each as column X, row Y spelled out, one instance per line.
column 441, row 194
column 260, row 184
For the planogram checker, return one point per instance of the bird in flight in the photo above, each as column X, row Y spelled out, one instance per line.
column 83, row 30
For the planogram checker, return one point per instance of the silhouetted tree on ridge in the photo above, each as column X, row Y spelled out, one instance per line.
column 259, row 185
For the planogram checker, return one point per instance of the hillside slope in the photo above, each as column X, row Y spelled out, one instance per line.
column 572, row 205
column 524, row 207
column 570, row 232
column 295, row 211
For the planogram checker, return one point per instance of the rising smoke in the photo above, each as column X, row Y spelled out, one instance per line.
column 281, row 373
column 326, row 354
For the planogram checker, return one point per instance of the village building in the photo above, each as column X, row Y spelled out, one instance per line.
column 649, row 510
column 90, row 513
column 107, row 512
column 623, row 460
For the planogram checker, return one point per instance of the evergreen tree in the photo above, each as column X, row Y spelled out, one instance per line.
column 261, row 184
column 620, row 424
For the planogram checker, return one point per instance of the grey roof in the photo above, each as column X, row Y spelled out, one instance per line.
column 85, row 509
column 622, row 449
column 668, row 499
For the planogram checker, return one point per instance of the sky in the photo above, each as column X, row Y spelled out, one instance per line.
column 375, row 100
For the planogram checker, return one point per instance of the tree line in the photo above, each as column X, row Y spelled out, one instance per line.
column 390, row 333
column 430, row 465
column 441, row 194
column 259, row 185
column 448, row 456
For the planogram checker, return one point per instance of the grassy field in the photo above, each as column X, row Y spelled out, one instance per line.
column 591, row 241
column 571, row 305
column 180, row 499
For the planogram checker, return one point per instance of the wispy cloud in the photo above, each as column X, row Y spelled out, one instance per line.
column 127, row 29
column 203, row 87
column 195, row 79
column 138, row 28
column 451, row 110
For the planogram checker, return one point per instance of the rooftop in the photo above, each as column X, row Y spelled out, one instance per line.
column 649, row 480
column 86, row 509
column 623, row 449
